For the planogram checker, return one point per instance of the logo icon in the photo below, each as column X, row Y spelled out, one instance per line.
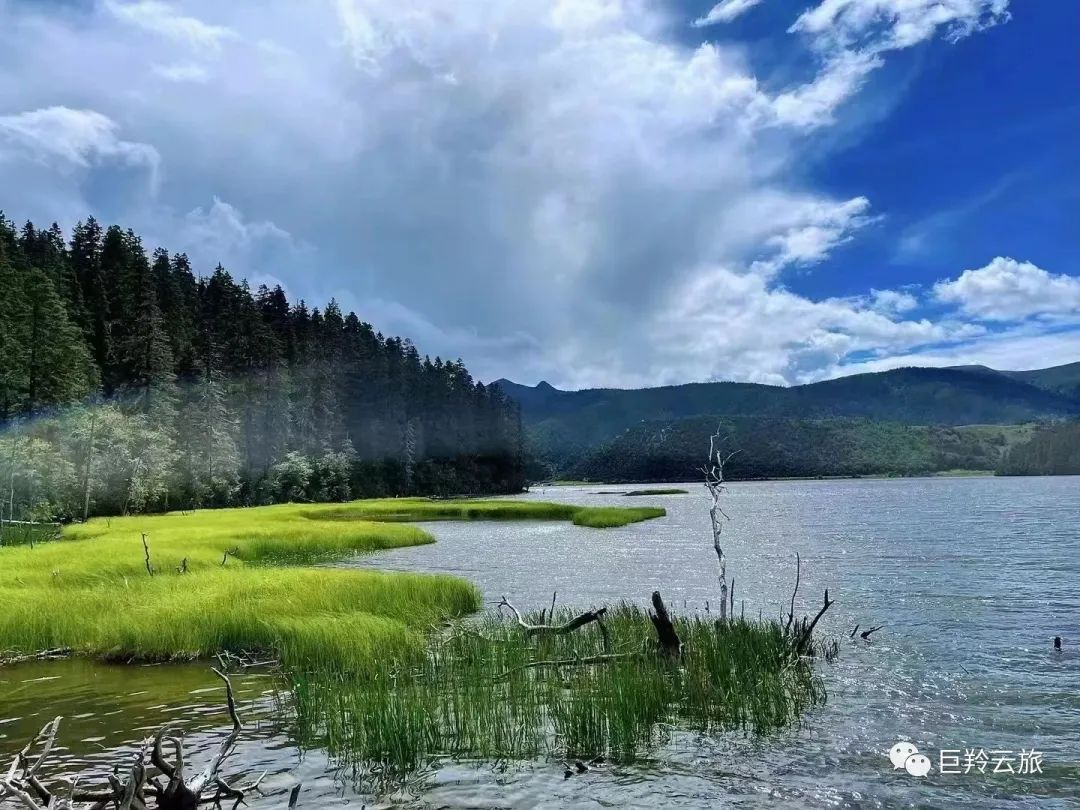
column 905, row 756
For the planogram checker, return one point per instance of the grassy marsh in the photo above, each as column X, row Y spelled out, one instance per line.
column 473, row 697
column 231, row 579
column 662, row 491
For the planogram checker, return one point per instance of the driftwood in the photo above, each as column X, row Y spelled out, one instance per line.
column 588, row 617
column 170, row 789
column 667, row 638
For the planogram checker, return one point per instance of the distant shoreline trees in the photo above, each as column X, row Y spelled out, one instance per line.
column 1053, row 450
column 128, row 383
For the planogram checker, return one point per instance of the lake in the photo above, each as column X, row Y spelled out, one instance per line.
column 971, row 579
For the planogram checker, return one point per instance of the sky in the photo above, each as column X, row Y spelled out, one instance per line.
column 615, row 193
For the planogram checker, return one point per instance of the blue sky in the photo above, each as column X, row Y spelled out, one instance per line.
column 592, row 192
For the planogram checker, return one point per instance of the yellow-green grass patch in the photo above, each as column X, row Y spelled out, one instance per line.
column 213, row 588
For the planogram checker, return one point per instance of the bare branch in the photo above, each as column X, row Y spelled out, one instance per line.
column 809, row 630
column 585, row 618
column 791, row 612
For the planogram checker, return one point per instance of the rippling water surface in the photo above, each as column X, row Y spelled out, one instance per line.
column 971, row 578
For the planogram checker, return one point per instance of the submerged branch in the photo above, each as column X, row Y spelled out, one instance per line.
column 22, row 785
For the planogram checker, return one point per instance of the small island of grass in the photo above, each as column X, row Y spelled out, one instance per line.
column 659, row 491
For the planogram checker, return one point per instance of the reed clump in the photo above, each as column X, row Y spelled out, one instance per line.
column 478, row 693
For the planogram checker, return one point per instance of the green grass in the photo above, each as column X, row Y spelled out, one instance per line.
column 90, row 590
column 669, row 491
column 471, row 697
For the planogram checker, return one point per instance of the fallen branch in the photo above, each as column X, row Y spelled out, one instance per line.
column 866, row 633
column 588, row 617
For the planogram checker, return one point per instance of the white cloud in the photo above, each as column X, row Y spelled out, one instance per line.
column 883, row 25
column 893, row 301
column 221, row 233
column 734, row 325
column 853, row 36
column 725, row 11
column 1008, row 290
column 70, row 137
column 556, row 189
column 1011, row 350
column 182, row 72
column 164, row 19
column 818, row 227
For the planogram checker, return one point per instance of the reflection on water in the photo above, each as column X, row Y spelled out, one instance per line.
column 972, row 578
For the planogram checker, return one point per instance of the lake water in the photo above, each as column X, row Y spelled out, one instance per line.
column 971, row 578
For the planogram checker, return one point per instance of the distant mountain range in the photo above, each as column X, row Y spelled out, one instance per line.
column 568, row 430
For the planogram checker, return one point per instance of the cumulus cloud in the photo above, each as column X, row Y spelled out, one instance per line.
column 725, row 11
column 558, row 189
column 893, row 301
column 72, row 137
column 1009, row 290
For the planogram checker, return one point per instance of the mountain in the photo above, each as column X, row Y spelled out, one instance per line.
column 1059, row 379
column 565, row 427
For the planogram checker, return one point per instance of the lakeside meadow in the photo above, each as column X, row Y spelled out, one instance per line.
column 234, row 580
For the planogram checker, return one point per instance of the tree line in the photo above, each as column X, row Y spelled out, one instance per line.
column 130, row 383
column 773, row 447
column 1054, row 449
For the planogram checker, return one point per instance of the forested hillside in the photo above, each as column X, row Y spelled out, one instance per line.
column 567, row 429
column 129, row 382
column 777, row 447
column 1052, row 450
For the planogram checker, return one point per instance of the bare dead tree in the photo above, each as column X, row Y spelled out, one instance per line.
column 808, row 629
column 714, row 483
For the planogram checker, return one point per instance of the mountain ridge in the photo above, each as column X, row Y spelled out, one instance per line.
column 565, row 427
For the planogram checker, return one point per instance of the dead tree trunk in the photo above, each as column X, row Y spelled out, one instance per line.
column 666, row 636
column 714, row 483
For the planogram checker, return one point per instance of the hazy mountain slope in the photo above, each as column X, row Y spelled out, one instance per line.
column 566, row 426
column 771, row 447
column 1061, row 379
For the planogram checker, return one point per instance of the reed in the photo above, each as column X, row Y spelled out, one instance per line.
column 473, row 695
